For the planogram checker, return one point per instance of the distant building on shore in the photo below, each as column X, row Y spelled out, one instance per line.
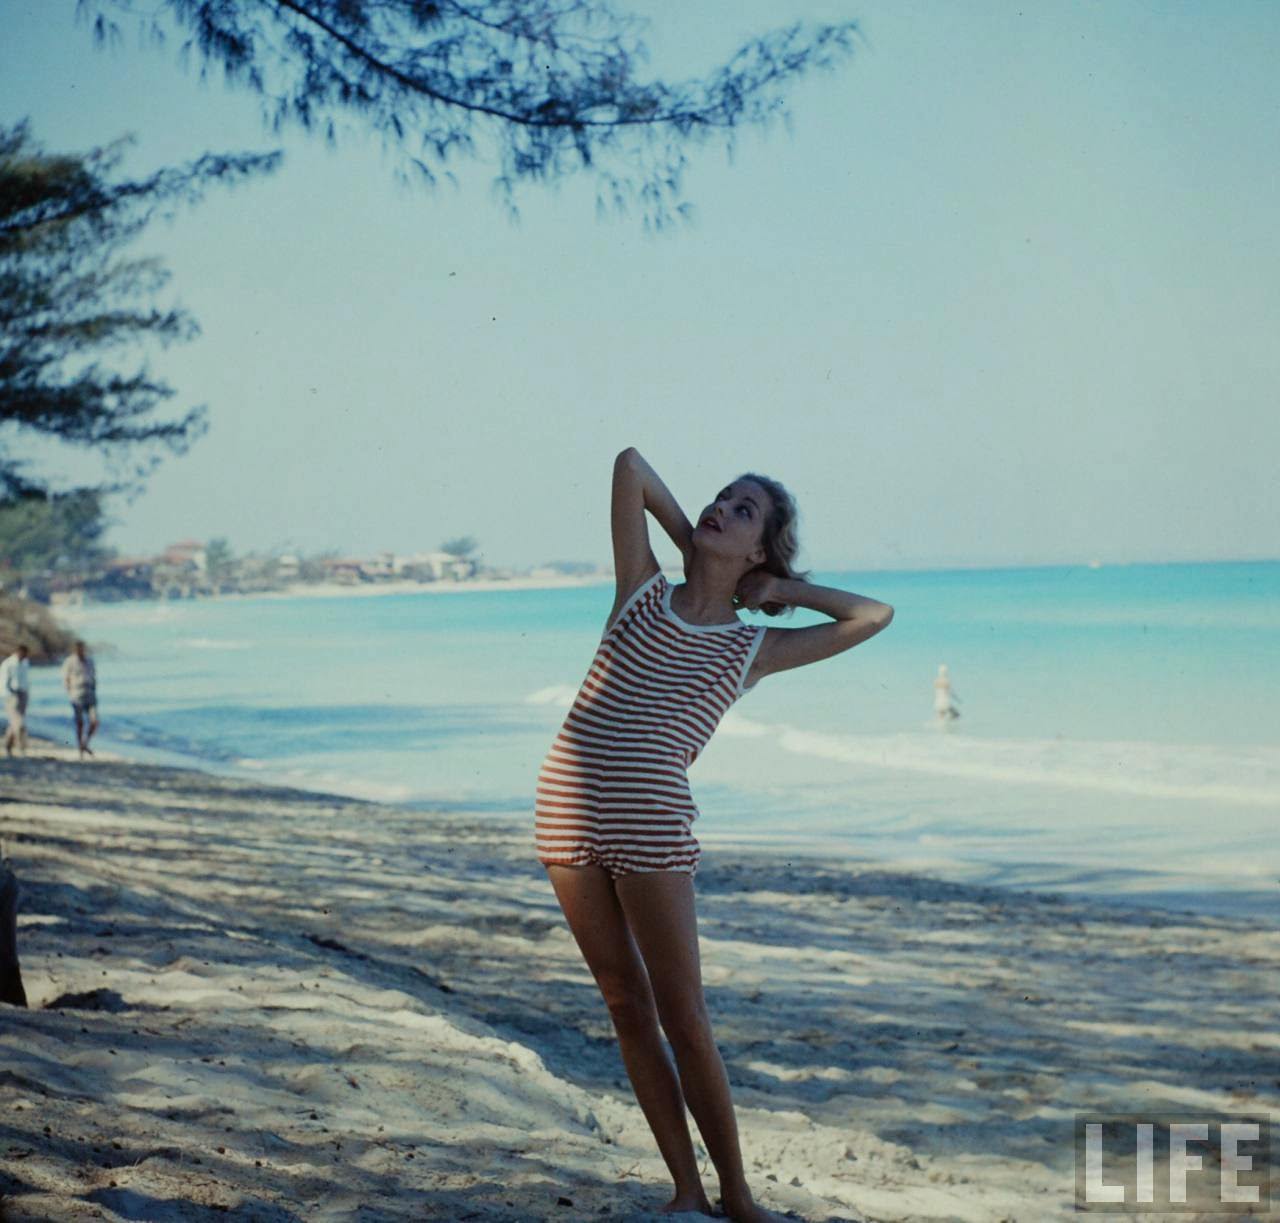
column 188, row 553
column 190, row 569
column 345, row 571
column 125, row 577
column 434, row 567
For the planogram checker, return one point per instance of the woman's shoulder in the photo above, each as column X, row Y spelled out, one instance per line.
column 648, row 589
column 656, row 581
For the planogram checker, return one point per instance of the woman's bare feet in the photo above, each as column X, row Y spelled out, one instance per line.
column 746, row 1210
column 697, row 1202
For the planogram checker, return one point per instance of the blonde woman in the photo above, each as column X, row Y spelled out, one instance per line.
column 614, row 810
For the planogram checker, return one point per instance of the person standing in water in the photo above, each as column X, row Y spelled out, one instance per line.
column 80, row 679
column 613, row 807
column 943, row 698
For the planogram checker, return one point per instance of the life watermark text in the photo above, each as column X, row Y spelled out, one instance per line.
column 1193, row 1163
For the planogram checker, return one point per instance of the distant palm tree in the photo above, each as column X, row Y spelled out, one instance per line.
column 219, row 562
column 461, row 547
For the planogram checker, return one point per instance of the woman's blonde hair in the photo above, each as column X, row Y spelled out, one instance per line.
column 780, row 540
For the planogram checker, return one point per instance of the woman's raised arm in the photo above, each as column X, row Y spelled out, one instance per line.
column 637, row 488
column 854, row 619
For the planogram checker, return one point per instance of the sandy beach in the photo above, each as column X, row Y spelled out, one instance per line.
column 272, row 1004
column 79, row 610
column 442, row 586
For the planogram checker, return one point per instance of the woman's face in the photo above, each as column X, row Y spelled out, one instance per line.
column 733, row 524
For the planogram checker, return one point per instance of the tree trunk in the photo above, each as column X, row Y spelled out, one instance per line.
column 11, row 990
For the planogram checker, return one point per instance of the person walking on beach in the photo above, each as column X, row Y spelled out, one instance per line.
column 944, row 709
column 80, row 679
column 15, row 681
column 613, row 808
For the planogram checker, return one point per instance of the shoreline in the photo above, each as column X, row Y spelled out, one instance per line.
column 443, row 586
column 551, row 581
column 300, row 1005
column 1165, row 889
column 330, row 590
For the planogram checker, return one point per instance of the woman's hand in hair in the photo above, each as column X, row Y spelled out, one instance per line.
column 756, row 588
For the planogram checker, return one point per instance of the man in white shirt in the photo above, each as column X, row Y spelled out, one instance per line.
column 15, row 682
column 80, row 679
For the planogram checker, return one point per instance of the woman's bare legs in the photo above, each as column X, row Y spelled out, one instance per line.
column 590, row 904
column 659, row 907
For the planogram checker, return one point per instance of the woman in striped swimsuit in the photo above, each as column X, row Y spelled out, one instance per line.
column 613, row 809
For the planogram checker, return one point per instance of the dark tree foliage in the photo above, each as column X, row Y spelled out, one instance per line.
column 550, row 85
column 461, row 547
column 61, row 532
column 218, row 559
column 68, row 299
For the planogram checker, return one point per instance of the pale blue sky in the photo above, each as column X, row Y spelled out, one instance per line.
column 1006, row 294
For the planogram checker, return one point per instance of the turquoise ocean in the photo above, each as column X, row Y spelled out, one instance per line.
column 1120, row 729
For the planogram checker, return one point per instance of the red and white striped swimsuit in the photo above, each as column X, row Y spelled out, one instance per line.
column 613, row 788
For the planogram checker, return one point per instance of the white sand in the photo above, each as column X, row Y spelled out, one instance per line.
column 315, row 1008
column 442, row 586
column 79, row 612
